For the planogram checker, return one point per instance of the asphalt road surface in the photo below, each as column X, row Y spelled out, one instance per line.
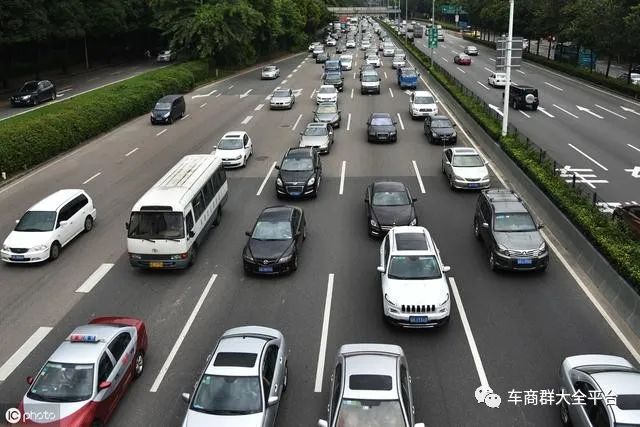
column 520, row 326
column 588, row 130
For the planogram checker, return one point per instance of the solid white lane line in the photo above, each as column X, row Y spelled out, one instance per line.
column 415, row 167
column 488, row 69
column 391, row 92
column 444, row 59
column 90, row 179
column 634, row 147
column 218, row 95
column 554, row 86
column 258, row 107
column 568, row 112
column 385, row 75
column 296, row 123
column 323, row 338
column 609, row 111
column 483, row 85
column 247, row 120
column 496, row 109
column 312, row 93
column 244, row 95
column 205, row 94
column 64, row 90
column 266, row 178
column 351, row 93
column 467, row 331
column 186, row 116
column 284, row 81
column 344, row 167
column 461, row 70
column 587, row 156
column 492, row 60
column 349, row 121
column 289, row 76
column 203, row 105
column 183, row 334
column 95, row 277
column 25, row 349
column 525, row 114
column 522, row 72
column 400, row 120
column 131, row 152
column 546, row 112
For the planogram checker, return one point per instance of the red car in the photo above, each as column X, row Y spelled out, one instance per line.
column 462, row 59
column 85, row 378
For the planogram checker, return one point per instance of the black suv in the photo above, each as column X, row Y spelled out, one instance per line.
column 299, row 173
column 522, row 97
column 33, row 93
column 509, row 232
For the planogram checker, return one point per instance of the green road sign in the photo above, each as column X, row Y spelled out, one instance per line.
column 451, row 9
column 433, row 42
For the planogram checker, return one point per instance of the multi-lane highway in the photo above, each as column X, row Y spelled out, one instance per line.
column 512, row 329
column 587, row 129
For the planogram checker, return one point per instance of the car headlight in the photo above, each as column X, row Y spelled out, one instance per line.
column 414, row 221
column 311, row 181
column 433, row 134
column 286, row 258
column 38, row 248
column 247, row 256
column 5, row 247
column 135, row 256
column 485, row 178
column 279, row 182
column 26, row 97
column 458, row 178
column 165, row 115
column 373, row 222
column 445, row 300
column 238, row 157
column 175, row 257
column 543, row 247
column 386, row 297
column 454, row 135
column 393, row 132
column 502, row 249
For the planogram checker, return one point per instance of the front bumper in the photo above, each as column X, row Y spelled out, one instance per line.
column 156, row 120
column 370, row 89
column 272, row 267
column 232, row 163
column 19, row 102
column 269, row 76
column 382, row 138
column 296, row 191
column 420, row 113
column 28, row 257
column 505, row 262
column 471, row 185
column 415, row 320
column 410, row 85
column 280, row 106
column 159, row 262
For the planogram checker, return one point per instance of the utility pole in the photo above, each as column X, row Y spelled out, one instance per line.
column 406, row 18
column 505, row 104
column 433, row 23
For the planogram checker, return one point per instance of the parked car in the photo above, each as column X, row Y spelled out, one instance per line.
column 508, row 231
column 523, row 97
column 282, row 99
column 439, row 130
column 270, row 72
column 34, row 92
column 388, row 204
column 422, row 104
column 48, row 226
column 168, row 109
column 381, row 127
column 317, row 135
column 234, row 149
column 465, row 168
column 629, row 215
column 274, row 241
column 167, row 56
column 462, row 59
column 299, row 173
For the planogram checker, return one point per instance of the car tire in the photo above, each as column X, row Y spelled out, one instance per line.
column 88, row 224
column 451, row 185
column 218, row 218
column 244, row 162
column 285, row 380
column 492, row 261
column 564, row 415
column 170, row 120
column 534, row 108
column 476, row 229
column 442, row 165
column 138, row 368
column 294, row 264
column 304, row 233
column 53, row 96
column 54, row 251
column 194, row 255
column 35, row 101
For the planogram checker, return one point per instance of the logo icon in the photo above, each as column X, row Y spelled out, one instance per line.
column 12, row 415
column 484, row 394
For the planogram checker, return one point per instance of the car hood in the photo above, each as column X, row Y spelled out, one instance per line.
column 393, row 215
column 289, row 177
column 61, row 410
column 382, row 128
column 327, row 95
column 26, row 92
column 270, row 249
column 417, row 292
column 230, row 154
column 199, row 419
column 521, row 240
column 443, row 131
column 332, row 81
column 28, row 239
column 325, row 118
column 471, row 172
column 313, row 141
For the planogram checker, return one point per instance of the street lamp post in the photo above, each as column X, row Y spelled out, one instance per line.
column 433, row 24
column 505, row 104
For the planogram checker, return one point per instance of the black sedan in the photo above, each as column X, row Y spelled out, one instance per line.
column 334, row 78
column 388, row 204
column 34, row 92
column 299, row 173
column 439, row 130
column 275, row 240
column 381, row 127
column 321, row 58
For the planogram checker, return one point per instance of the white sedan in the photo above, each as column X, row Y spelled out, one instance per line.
column 398, row 62
column 374, row 60
column 346, row 62
column 497, row 79
column 234, row 149
column 327, row 93
column 465, row 168
column 270, row 72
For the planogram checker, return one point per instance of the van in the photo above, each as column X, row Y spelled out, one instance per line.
column 167, row 109
column 369, row 82
column 170, row 221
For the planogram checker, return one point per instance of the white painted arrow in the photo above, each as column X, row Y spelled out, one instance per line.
column 206, row 94
column 546, row 112
column 630, row 110
column 589, row 111
column 635, row 172
column 246, row 93
column 496, row 109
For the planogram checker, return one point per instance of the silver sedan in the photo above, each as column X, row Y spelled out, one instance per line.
column 465, row 168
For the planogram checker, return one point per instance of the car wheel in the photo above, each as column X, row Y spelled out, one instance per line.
column 170, row 121
column 476, row 229
column 451, row 185
column 564, row 415
column 54, row 252
column 443, row 172
column 294, row 264
column 285, row 380
column 492, row 261
column 218, row 217
column 53, row 96
column 139, row 365
column 244, row 162
column 194, row 254
column 88, row 224
column 35, row 101
column 304, row 233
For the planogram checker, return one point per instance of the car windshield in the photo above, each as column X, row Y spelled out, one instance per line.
column 390, row 198
column 163, row 106
column 398, row 59
column 63, row 382
column 271, row 68
column 327, row 109
column 327, row 90
column 519, row 221
column 372, row 58
column 473, row 161
column 333, row 76
column 423, row 100
column 230, row 144
column 316, row 131
column 410, row 73
column 399, row 52
column 156, row 225
column 165, row 52
column 29, row 87
column 272, row 230
column 281, row 94
column 358, row 413
column 381, row 121
column 37, row 221
column 297, row 164
column 227, row 395
column 370, row 78
column 346, row 58
column 440, row 124
column 414, row 267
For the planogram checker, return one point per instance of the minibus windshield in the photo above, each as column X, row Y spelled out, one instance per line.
column 156, row 225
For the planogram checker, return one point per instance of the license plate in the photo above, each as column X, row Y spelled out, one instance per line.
column 17, row 257
column 473, row 184
column 265, row 269
column 525, row 261
column 156, row 264
column 418, row 319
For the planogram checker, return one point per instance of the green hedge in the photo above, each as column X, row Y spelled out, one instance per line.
column 613, row 240
column 580, row 72
column 30, row 139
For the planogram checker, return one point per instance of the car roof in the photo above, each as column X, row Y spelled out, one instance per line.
column 234, row 134
column 439, row 118
column 277, row 213
column 409, row 239
column 85, row 352
column 380, row 115
column 464, row 151
column 371, row 362
column 318, row 124
column 621, row 383
column 169, row 98
column 299, row 152
column 53, row 201
column 422, row 93
column 328, row 87
column 388, row 186
column 234, row 360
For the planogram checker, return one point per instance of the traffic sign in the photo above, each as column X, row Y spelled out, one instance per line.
column 501, row 53
column 433, row 37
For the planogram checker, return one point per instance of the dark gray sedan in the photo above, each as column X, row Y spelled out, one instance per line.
column 328, row 113
column 317, row 135
column 381, row 127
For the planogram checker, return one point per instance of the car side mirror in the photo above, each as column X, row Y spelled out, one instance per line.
column 126, row 226
column 414, row 199
column 17, row 221
column 104, row 384
column 191, row 234
column 485, row 225
column 186, row 397
column 272, row 400
column 453, row 125
column 62, row 223
column 29, row 380
column 277, row 167
column 247, row 233
column 540, row 225
column 322, row 423
column 446, row 268
column 381, row 269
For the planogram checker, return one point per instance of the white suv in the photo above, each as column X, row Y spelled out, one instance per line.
column 48, row 226
column 415, row 290
column 422, row 104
